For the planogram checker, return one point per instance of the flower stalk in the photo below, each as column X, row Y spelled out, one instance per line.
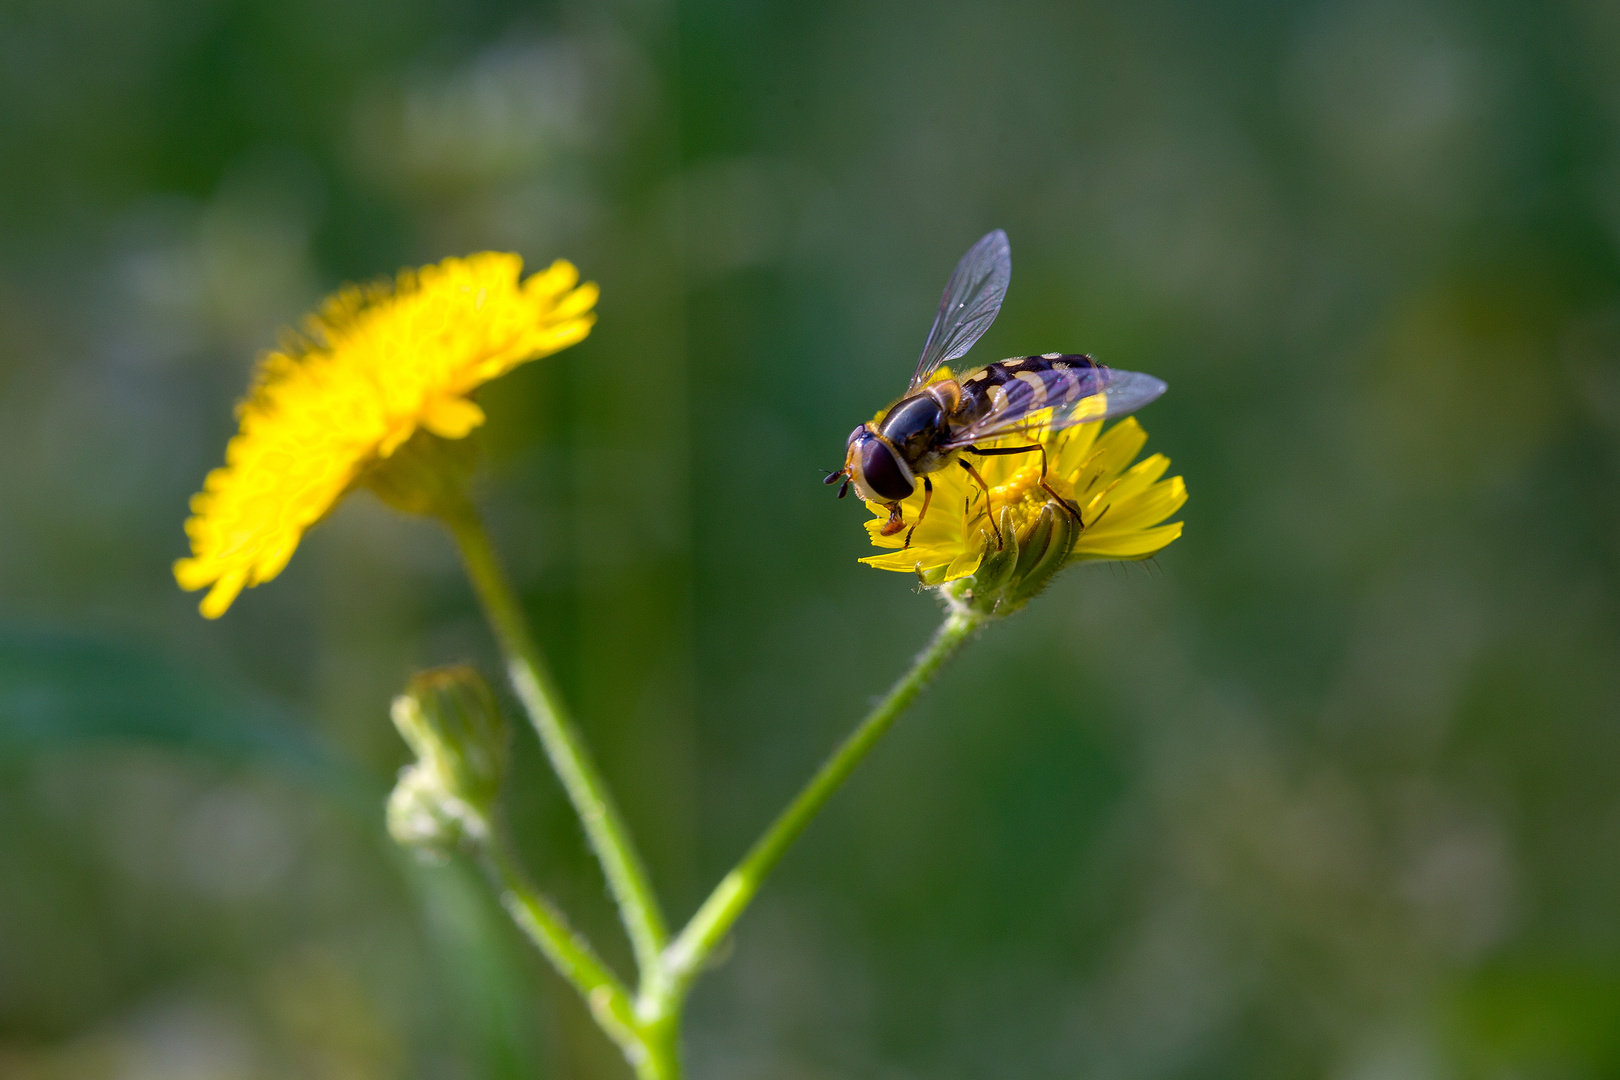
column 650, row 1050
column 686, row 956
column 646, row 1026
column 563, row 742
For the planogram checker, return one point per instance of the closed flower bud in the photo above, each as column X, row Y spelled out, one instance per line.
column 423, row 817
column 449, row 718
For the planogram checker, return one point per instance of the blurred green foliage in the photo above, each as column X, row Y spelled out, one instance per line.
column 1327, row 789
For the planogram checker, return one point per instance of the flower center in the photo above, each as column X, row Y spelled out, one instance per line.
column 1021, row 494
column 1017, row 486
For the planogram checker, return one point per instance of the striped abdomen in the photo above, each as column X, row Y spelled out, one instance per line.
column 1022, row 385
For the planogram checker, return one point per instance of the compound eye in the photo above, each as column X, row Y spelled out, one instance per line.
column 860, row 429
column 883, row 473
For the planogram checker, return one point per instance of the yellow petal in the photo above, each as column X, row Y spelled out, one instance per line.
column 966, row 562
column 1148, row 508
column 451, row 417
column 1132, row 545
column 1076, row 447
column 1138, row 478
column 275, row 561
column 904, row 561
column 1118, row 447
column 192, row 574
column 577, row 303
column 557, row 278
column 219, row 598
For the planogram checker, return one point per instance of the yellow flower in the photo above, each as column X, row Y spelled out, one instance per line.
column 1121, row 505
column 373, row 366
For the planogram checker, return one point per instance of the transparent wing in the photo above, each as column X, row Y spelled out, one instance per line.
column 971, row 302
column 1103, row 394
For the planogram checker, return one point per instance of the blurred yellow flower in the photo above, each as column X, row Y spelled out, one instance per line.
column 1121, row 506
column 372, row 366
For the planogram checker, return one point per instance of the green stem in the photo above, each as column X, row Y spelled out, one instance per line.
column 685, row 957
column 568, row 951
column 564, row 745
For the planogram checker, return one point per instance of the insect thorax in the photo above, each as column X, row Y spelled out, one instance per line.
column 915, row 425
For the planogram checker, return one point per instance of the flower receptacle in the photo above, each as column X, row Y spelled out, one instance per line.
column 426, row 475
column 1010, row 575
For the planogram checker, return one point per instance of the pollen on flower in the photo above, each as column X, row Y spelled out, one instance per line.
column 372, row 366
column 1120, row 505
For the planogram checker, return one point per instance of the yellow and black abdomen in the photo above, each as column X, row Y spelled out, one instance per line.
column 1023, row 385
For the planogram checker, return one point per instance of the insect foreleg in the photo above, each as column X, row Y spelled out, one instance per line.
column 928, row 497
column 989, row 509
column 895, row 522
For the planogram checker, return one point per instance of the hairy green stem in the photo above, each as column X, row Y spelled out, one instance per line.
column 685, row 957
column 647, row 1027
column 568, row 951
column 564, row 745
column 650, row 1049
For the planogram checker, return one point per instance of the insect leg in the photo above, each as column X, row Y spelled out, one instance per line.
column 928, row 497
column 895, row 522
column 989, row 510
column 998, row 451
column 1068, row 507
column 1072, row 509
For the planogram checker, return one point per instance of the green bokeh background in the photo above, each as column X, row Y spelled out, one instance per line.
column 1326, row 790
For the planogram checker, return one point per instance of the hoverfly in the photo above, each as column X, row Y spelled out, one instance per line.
column 937, row 422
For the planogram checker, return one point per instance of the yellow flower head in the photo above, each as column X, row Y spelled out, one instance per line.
column 1120, row 505
column 372, row 366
